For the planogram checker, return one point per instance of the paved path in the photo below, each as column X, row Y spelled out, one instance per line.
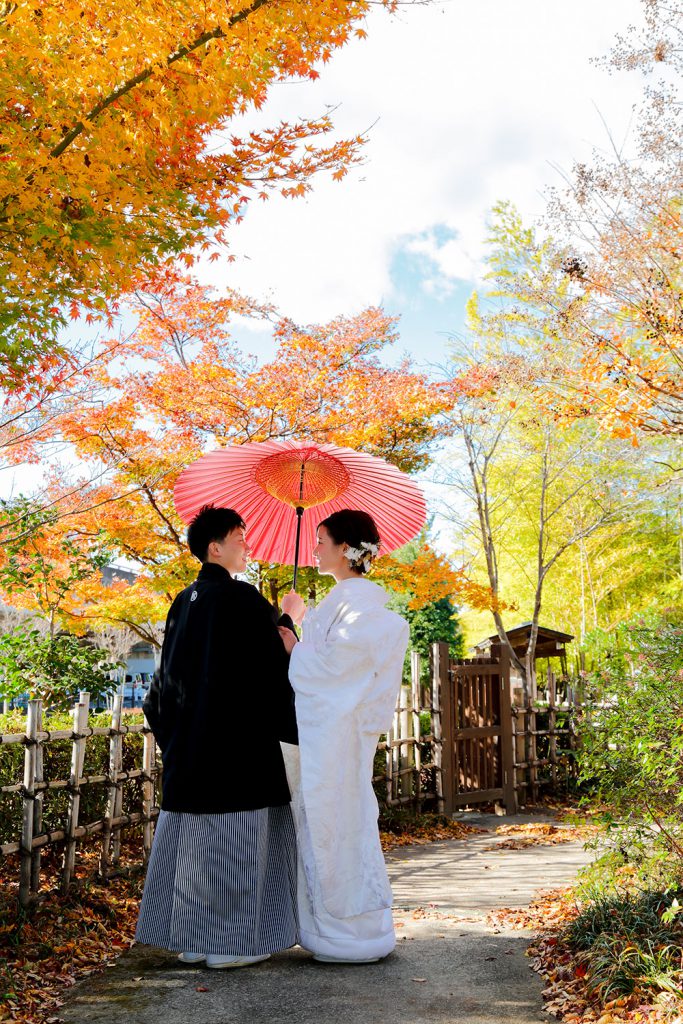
column 449, row 966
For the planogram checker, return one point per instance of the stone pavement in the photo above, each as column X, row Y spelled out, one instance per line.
column 449, row 966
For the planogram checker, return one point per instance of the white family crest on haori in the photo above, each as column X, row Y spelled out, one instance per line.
column 346, row 677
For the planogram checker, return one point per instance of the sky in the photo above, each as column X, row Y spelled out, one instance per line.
column 464, row 104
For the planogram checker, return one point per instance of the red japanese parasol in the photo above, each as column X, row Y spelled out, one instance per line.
column 272, row 483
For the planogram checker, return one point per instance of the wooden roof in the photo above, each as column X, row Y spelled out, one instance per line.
column 550, row 642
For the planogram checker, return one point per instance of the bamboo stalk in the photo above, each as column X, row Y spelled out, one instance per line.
column 416, row 702
column 80, row 719
column 39, row 793
column 25, row 871
column 148, row 758
column 552, row 726
column 437, row 669
column 67, row 734
column 58, row 835
column 389, row 762
column 530, row 749
column 404, row 759
column 115, row 742
column 118, row 798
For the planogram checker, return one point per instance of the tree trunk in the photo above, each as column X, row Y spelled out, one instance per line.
column 274, row 595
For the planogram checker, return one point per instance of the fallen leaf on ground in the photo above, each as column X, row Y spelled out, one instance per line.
column 63, row 938
column 426, row 832
column 540, row 833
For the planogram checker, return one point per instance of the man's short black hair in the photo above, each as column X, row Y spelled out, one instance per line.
column 211, row 524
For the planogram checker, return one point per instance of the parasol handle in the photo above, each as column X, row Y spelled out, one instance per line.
column 299, row 514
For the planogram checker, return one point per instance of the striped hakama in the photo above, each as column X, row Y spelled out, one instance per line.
column 221, row 884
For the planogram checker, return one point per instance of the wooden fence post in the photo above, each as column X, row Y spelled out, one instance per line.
column 148, row 757
column 405, row 750
column 508, row 740
column 80, row 720
column 38, row 801
column 28, row 810
column 435, row 708
column 572, row 731
column 532, row 756
column 113, row 803
column 552, row 727
column 416, row 688
column 118, row 796
column 442, row 727
column 390, row 762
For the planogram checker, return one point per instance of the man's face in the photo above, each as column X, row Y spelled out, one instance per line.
column 232, row 552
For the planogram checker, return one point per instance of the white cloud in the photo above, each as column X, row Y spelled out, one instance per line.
column 450, row 256
column 473, row 103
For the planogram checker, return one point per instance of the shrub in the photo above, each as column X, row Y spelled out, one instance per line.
column 632, row 744
column 52, row 668
column 627, row 934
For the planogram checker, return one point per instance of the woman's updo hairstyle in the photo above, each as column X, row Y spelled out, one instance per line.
column 358, row 530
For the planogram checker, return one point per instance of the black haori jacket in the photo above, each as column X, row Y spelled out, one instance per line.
column 221, row 701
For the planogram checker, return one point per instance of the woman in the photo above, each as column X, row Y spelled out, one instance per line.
column 345, row 674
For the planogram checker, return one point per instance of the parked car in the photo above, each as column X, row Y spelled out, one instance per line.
column 135, row 689
column 20, row 702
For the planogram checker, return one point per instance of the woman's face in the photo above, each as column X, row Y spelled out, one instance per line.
column 329, row 557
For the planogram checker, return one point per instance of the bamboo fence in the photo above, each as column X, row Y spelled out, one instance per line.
column 412, row 773
column 411, row 776
column 33, row 840
column 551, row 726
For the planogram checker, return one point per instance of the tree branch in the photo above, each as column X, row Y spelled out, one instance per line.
column 143, row 76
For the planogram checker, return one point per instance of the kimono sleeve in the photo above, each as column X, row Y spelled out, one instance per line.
column 357, row 640
column 269, row 662
column 156, row 717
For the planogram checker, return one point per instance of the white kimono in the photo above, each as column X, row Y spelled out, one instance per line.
column 346, row 675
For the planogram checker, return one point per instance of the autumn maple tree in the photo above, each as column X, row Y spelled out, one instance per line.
column 40, row 568
column 178, row 386
column 118, row 143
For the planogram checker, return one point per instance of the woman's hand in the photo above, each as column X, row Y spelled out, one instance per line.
column 293, row 604
column 288, row 638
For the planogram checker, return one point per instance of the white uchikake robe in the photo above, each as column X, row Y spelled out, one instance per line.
column 346, row 675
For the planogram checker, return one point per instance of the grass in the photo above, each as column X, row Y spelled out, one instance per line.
column 627, row 936
column 628, row 941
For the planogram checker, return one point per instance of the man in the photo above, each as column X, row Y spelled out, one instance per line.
column 221, row 882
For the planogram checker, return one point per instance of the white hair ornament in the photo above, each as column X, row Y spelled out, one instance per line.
column 364, row 555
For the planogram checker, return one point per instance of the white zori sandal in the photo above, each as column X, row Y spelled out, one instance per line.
column 218, row 963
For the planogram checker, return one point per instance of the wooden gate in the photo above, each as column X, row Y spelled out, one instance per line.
column 477, row 751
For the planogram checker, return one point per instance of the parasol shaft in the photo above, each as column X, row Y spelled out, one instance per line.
column 299, row 514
